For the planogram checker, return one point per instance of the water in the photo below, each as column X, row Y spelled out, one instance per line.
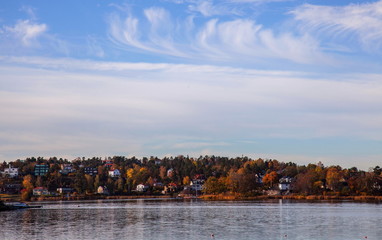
column 164, row 219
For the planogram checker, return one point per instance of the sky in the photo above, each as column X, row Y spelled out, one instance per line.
column 291, row 80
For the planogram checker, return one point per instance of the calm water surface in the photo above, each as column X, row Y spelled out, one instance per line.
column 165, row 219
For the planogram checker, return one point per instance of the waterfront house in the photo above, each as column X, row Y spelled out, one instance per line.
column 170, row 188
column 285, row 183
column 40, row 191
column 197, row 185
column 102, row 190
column 65, row 190
column 142, row 188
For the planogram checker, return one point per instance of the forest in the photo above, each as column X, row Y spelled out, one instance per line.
column 219, row 175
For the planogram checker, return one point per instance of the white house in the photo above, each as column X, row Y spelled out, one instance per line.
column 197, row 185
column 142, row 188
column 40, row 191
column 11, row 172
column 114, row 173
column 285, row 183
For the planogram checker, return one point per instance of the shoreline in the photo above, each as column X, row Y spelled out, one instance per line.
column 218, row 198
column 291, row 197
column 206, row 197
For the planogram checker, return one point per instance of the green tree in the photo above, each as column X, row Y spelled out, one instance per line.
column 214, row 186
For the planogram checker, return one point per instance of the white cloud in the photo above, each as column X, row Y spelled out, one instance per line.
column 140, row 103
column 26, row 31
column 361, row 20
column 219, row 40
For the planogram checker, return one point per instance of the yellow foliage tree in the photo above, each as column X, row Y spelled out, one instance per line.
column 270, row 179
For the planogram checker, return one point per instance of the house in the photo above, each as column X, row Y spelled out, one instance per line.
column 65, row 190
column 170, row 188
column 170, row 173
column 11, row 172
column 66, row 169
column 90, row 171
column 114, row 173
column 158, row 162
column 142, row 188
column 285, row 183
column 40, row 191
column 197, row 184
column 41, row 170
column 10, row 188
column 102, row 190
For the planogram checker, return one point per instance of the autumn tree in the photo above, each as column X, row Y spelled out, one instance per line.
column 214, row 186
column 270, row 179
column 333, row 178
column 28, row 188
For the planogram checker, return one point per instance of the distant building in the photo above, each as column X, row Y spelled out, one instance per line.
column 102, row 190
column 11, row 172
column 285, row 183
column 40, row 191
column 10, row 188
column 197, row 185
column 41, row 170
column 66, row 169
column 170, row 173
column 114, row 173
column 142, row 188
column 65, row 190
column 90, row 171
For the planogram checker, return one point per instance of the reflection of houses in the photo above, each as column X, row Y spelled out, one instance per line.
column 40, row 191
column 114, row 173
column 41, row 170
column 90, row 171
column 142, row 188
column 11, row 172
column 285, row 183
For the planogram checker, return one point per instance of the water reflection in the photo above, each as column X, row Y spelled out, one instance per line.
column 162, row 219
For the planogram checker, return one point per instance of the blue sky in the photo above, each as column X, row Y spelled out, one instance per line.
column 290, row 80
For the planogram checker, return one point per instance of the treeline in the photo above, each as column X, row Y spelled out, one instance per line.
column 240, row 175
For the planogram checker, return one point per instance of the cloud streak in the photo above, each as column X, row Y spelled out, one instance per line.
column 219, row 40
column 209, row 109
column 360, row 20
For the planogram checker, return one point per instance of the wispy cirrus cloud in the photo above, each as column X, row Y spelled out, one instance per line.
column 217, row 39
column 355, row 21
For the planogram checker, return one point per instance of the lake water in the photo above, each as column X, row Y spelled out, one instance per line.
column 165, row 219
